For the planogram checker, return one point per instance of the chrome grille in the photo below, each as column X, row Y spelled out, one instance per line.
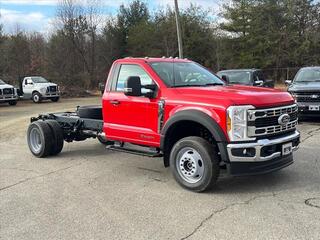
column 52, row 89
column 263, row 122
column 307, row 96
column 8, row 91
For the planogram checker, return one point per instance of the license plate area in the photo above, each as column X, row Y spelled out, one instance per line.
column 314, row 108
column 286, row 149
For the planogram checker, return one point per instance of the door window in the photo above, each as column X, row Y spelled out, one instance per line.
column 130, row 70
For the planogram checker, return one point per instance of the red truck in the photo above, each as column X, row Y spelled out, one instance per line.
column 177, row 109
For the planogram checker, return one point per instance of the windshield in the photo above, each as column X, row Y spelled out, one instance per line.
column 2, row 82
column 180, row 74
column 39, row 80
column 308, row 75
column 237, row 77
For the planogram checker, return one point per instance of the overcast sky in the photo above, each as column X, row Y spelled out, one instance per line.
column 37, row 15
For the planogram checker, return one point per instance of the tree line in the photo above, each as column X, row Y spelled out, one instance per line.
column 267, row 34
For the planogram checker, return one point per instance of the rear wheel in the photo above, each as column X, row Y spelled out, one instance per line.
column 40, row 139
column 55, row 99
column 13, row 103
column 58, row 139
column 36, row 97
column 194, row 164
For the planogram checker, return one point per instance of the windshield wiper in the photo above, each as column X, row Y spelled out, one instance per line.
column 213, row 84
column 189, row 85
column 314, row 80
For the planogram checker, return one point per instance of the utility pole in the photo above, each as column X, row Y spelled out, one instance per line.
column 178, row 29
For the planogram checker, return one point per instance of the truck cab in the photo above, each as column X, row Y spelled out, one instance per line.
column 305, row 88
column 248, row 77
column 38, row 88
column 200, row 125
column 8, row 94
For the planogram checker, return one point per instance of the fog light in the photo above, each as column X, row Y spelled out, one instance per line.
column 243, row 152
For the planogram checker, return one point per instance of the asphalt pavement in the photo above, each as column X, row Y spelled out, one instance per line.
column 88, row 192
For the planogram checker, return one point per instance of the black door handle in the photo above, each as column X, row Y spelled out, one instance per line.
column 115, row 102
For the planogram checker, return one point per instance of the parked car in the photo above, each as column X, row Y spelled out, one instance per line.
column 8, row 94
column 38, row 88
column 177, row 109
column 248, row 77
column 305, row 88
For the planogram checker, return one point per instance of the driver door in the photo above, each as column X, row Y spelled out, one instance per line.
column 27, row 86
column 131, row 118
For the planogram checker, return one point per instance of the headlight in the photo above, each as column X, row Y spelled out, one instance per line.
column 43, row 90
column 294, row 95
column 237, row 123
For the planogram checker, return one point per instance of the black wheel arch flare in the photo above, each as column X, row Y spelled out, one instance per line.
column 201, row 118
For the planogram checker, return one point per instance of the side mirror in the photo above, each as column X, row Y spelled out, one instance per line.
column 288, row 82
column 225, row 78
column 132, row 86
column 258, row 83
column 101, row 87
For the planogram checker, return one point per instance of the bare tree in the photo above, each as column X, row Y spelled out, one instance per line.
column 79, row 22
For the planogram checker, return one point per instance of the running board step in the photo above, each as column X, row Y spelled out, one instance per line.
column 134, row 151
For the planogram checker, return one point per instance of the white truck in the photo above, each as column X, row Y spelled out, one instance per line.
column 8, row 94
column 38, row 88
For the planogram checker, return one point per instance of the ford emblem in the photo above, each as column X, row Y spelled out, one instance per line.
column 284, row 119
column 314, row 96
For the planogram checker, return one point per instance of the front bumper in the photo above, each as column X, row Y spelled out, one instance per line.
column 304, row 108
column 264, row 155
column 51, row 95
column 8, row 98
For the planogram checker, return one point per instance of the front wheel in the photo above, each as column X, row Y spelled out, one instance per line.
column 36, row 97
column 194, row 164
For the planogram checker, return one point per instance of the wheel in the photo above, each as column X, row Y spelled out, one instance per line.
column 13, row 103
column 55, row 99
column 58, row 139
column 93, row 112
column 36, row 97
column 194, row 164
column 104, row 141
column 40, row 139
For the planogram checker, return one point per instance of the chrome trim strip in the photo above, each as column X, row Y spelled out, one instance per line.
column 252, row 117
column 258, row 146
column 161, row 105
column 272, row 129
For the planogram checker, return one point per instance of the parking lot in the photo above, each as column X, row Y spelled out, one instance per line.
column 88, row 192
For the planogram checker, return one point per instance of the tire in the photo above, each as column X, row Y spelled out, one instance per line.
column 194, row 164
column 58, row 139
column 13, row 103
column 40, row 139
column 36, row 97
column 55, row 99
column 92, row 112
column 104, row 141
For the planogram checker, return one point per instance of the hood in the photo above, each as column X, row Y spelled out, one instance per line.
column 6, row 86
column 48, row 84
column 236, row 95
column 304, row 86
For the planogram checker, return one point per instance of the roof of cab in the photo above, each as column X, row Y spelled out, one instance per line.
column 312, row 67
column 242, row 70
column 151, row 59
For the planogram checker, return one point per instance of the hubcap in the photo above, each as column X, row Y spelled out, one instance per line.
column 189, row 165
column 36, row 98
column 35, row 140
